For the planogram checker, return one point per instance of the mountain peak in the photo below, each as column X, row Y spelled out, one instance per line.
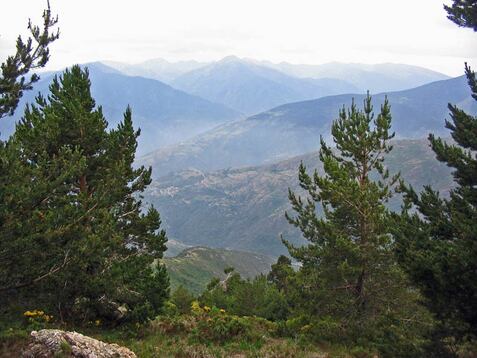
column 231, row 58
column 100, row 66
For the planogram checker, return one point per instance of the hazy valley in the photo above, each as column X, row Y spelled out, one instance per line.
column 245, row 208
column 295, row 128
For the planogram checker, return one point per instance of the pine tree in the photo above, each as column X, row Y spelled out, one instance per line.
column 463, row 13
column 73, row 228
column 438, row 244
column 13, row 80
column 349, row 279
column 281, row 273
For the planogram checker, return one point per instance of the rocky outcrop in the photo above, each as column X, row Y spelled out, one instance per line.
column 49, row 343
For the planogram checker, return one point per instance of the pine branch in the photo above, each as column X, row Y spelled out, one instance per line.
column 52, row 271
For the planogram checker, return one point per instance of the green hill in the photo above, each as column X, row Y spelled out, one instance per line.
column 193, row 268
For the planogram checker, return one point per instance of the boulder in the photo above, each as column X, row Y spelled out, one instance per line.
column 49, row 343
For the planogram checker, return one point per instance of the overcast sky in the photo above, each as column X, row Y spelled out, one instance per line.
column 297, row 31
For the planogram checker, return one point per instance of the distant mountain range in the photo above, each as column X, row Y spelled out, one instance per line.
column 251, row 88
column 158, row 68
column 384, row 77
column 295, row 128
column 165, row 115
column 194, row 267
column 182, row 130
column 244, row 208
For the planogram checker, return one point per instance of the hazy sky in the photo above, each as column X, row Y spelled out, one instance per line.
column 297, row 31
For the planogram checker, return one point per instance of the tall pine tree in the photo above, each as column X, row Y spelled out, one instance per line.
column 73, row 227
column 30, row 55
column 349, row 279
column 438, row 244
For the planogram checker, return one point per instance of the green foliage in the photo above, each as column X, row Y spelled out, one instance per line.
column 437, row 236
column 65, row 351
column 219, row 327
column 463, row 13
column 256, row 297
column 178, row 337
column 281, row 273
column 71, row 215
column 349, row 284
column 437, row 245
column 212, row 325
column 228, row 270
column 182, row 299
column 30, row 54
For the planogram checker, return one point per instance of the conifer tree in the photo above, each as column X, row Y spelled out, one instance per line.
column 349, row 279
column 438, row 244
column 73, row 229
column 281, row 273
column 30, row 54
column 463, row 13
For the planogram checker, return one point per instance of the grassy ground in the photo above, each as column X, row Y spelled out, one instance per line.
column 162, row 346
column 165, row 340
column 179, row 346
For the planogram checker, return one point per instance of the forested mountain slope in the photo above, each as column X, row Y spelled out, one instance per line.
column 244, row 208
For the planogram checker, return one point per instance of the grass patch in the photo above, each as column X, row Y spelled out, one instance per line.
column 180, row 337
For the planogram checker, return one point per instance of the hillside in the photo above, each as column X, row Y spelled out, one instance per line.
column 165, row 115
column 193, row 268
column 295, row 128
column 251, row 88
column 244, row 208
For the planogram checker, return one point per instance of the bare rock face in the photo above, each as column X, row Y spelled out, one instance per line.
column 49, row 343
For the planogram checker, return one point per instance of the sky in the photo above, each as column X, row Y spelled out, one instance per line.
column 414, row 32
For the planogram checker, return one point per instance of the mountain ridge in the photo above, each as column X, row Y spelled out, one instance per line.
column 166, row 115
column 380, row 77
column 156, row 68
column 251, row 88
column 194, row 267
column 295, row 128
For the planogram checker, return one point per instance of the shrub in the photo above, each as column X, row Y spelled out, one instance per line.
column 256, row 297
column 219, row 327
column 182, row 299
column 170, row 325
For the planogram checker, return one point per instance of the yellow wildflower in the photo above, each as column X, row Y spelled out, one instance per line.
column 34, row 313
column 195, row 307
